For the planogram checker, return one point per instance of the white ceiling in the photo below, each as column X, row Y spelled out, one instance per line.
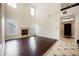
column 63, row 5
column 35, row 5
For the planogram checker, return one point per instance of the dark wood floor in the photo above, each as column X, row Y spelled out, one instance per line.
column 29, row 46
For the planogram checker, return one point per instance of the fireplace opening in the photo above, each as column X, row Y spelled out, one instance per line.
column 67, row 30
column 24, row 32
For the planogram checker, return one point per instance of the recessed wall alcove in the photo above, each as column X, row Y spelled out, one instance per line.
column 67, row 27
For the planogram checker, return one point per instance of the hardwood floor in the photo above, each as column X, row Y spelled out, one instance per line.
column 29, row 46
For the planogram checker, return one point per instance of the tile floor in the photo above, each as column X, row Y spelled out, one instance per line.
column 65, row 47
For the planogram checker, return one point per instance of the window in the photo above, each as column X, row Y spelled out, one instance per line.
column 11, row 27
column 12, row 5
column 32, row 11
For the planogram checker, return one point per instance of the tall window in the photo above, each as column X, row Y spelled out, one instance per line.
column 32, row 11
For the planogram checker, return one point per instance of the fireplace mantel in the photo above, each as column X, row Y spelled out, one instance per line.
column 27, row 29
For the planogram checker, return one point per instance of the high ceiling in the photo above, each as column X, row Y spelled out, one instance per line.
column 35, row 5
column 63, row 5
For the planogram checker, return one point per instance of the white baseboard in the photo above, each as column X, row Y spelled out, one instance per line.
column 18, row 37
column 47, row 37
column 32, row 35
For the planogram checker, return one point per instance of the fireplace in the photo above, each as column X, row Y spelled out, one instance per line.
column 24, row 32
column 67, row 30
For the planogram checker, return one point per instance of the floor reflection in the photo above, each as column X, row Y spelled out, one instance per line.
column 32, row 44
column 13, row 47
column 28, row 46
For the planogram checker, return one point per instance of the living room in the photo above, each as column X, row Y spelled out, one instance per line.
column 37, row 29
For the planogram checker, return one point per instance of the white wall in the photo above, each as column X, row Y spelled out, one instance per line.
column 77, row 25
column 20, row 14
column 48, row 26
column 0, row 23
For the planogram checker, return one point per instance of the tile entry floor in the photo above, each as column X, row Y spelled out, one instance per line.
column 65, row 47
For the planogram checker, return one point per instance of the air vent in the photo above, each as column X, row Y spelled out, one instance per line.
column 64, row 12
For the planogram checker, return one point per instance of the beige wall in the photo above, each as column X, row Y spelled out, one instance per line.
column 48, row 26
column 0, row 23
column 21, row 14
column 77, row 25
column 47, row 19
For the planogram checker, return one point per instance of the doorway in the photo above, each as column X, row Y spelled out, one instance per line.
column 67, row 27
